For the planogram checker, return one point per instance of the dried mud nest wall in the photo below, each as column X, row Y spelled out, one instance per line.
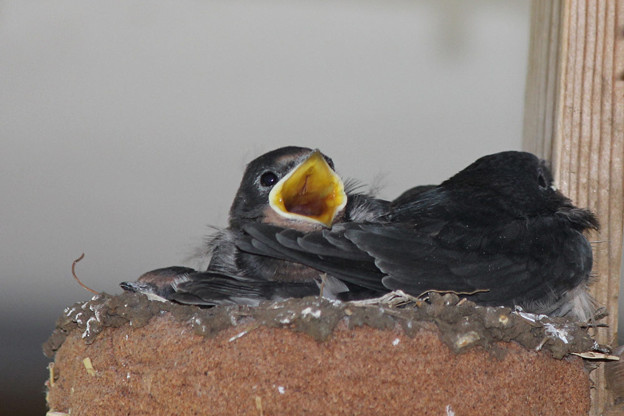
column 128, row 355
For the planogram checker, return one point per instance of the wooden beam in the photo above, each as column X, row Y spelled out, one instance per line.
column 574, row 117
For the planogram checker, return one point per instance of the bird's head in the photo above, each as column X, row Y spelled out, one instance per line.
column 519, row 185
column 292, row 187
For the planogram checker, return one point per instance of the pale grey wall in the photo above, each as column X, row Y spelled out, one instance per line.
column 124, row 125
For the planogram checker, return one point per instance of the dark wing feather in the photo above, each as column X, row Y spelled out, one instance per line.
column 326, row 244
column 447, row 256
column 344, row 261
column 517, row 262
column 210, row 289
column 184, row 285
column 415, row 261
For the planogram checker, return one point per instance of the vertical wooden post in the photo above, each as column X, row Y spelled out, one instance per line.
column 574, row 117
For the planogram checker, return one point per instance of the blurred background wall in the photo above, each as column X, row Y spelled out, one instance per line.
column 125, row 126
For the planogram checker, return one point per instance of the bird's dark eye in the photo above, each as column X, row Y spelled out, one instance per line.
column 268, row 179
column 541, row 181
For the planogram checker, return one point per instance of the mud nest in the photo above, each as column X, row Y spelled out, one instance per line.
column 128, row 355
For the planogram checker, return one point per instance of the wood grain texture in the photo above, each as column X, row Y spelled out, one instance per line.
column 574, row 116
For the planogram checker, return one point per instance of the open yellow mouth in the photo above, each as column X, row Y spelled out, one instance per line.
column 311, row 192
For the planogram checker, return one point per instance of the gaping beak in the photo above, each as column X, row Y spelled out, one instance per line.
column 311, row 192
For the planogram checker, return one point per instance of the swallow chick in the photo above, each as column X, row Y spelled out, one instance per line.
column 294, row 188
column 499, row 229
column 290, row 187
